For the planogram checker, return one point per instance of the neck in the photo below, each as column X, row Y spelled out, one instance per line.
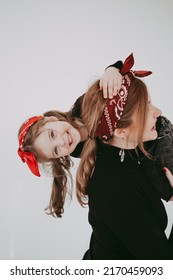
column 118, row 142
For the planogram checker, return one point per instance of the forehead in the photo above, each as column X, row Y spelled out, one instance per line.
column 56, row 124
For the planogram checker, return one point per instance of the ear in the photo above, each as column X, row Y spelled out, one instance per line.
column 121, row 132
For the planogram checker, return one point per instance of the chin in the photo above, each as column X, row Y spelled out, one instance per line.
column 155, row 135
column 151, row 136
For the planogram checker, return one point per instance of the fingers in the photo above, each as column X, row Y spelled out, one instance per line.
column 119, row 84
column 105, row 91
column 109, row 88
column 116, row 88
column 103, row 87
column 168, row 175
column 110, row 82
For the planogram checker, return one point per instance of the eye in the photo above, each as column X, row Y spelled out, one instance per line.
column 52, row 134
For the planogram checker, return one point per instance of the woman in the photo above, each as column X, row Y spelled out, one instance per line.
column 125, row 211
column 51, row 138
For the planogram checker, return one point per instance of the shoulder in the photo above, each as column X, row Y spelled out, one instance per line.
column 75, row 110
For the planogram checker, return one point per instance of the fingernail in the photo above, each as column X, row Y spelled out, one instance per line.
column 164, row 169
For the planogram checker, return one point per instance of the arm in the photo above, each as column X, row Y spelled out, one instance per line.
column 162, row 151
column 155, row 173
column 110, row 82
column 112, row 75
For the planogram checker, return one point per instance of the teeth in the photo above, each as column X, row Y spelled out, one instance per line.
column 70, row 140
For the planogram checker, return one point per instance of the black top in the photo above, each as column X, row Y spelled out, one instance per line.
column 161, row 149
column 125, row 211
column 75, row 112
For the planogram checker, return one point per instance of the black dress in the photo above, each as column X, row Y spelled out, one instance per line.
column 125, row 211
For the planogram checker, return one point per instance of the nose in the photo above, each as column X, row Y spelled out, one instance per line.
column 60, row 141
column 157, row 112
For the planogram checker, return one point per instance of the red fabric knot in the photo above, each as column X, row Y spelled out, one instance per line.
column 114, row 107
column 28, row 157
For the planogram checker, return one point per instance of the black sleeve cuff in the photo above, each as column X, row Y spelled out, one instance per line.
column 118, row 65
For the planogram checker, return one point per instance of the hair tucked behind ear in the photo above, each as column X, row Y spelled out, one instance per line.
column 92, row 109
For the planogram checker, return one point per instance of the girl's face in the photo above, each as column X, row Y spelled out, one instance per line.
column 56, row 139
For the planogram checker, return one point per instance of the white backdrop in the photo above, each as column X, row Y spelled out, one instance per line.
column 50, row 51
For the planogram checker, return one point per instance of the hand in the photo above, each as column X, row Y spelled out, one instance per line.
column 110, row 82
column 169, row 177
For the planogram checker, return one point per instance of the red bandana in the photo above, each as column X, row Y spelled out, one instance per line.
column 114, row 107
column 28, row 157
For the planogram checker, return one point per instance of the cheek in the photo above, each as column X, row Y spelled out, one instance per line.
column 148, row 124
column 73, row 132
column 66, row 151
column 66, row 128
column 149, row 135
column 41, row 143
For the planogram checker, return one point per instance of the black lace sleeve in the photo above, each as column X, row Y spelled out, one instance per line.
column 75, row 110
column 117, row 65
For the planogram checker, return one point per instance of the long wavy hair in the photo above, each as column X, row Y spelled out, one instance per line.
column 92, row 110
column 59, row 167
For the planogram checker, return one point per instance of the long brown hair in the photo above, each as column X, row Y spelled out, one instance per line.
column 59, row 167
column 92, row 109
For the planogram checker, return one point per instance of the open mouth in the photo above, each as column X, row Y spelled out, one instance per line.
column 153, row 128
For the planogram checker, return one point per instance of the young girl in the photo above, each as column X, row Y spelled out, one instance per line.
column 51, row 138
column 125, row 211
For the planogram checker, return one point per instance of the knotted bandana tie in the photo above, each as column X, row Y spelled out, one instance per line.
column 114, row 107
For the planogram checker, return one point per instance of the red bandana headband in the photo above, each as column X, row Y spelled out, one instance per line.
column 28, row 157
column 114, row 107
